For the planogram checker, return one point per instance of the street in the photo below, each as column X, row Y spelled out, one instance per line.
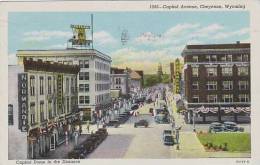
column 129, row 142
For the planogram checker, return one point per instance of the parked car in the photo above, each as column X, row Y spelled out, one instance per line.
column 232, row 127
column 216, row 127
column 141, row 123
column 167, row 132
column 134, row 107
column 168, row 140
column 113, row 123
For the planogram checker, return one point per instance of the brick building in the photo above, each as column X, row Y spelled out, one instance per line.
column 217, row 80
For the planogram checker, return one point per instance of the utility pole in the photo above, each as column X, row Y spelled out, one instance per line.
column 92, row 31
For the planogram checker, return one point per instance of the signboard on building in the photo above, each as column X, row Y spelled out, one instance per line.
column 79, row 35
column 23, row 101
column 177, row 76
column 60, row 92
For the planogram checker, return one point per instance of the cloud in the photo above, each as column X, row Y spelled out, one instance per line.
column 45, row 35
column 223, row 35
column 142, row 59
column 12, row 59
column 169, row 37
column 103, row 38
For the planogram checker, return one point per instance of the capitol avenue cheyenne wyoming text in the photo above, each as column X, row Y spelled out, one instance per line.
column 177, row 6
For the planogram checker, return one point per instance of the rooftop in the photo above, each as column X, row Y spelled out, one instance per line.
column 220, row 46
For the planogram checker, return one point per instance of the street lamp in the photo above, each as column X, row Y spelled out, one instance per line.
column 193, row 119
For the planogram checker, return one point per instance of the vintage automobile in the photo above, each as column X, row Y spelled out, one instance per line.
column 141, row 123
column 216, row 127
column 168, row 140
column 75, row 154
column 232, row 127
column 135, row 107
column 113, row 123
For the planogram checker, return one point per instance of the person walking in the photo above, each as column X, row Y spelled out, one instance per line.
column 88, row 126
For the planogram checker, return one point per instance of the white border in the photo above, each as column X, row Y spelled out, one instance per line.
column 251, row 5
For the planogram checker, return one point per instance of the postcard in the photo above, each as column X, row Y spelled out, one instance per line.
column 130, row 82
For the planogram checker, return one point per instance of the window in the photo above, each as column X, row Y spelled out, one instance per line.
column 212, row 71
column 118, row 80
column 49, row 85
column 227, row 85
column 212, row 98
column 84, row 63
column 10, row 114
column 195, row 72
column 83, row 75
column 211, row 58
column 239, row 58
column 50, row 109
column 195, row 99
column 242, row 71
column 212, row 85
column 41, row 86
column 68, row 104
column 227, row 71
column 245, row 58
column 67, row 85
column 227, row 98
column 32, row 85
column 229, row 58
column 243, row 98
column 32, row 113
column 84, row 99
column 42, row 111
column 195, row 58
column 195, row 85
column 83, row 87
column 243, row 85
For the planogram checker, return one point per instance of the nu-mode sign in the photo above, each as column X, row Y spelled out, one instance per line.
column 23, row 101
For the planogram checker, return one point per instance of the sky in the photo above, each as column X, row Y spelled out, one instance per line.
column 153, row 37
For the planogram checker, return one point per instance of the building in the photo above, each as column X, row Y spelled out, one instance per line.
column 172, row 71
column 47, row 108
column 93, row 80
column 135, row 83
column 217, row 80
column 159, row 72
column 119, row 80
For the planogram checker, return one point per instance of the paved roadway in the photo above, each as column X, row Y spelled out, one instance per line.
column 129, row 142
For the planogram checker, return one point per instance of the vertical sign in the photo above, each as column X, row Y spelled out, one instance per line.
column 177, row 76
column 79, row 34
column 23, row 101
column 60, row 92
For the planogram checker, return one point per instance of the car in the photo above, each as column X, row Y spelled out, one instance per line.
column 216, row 127
column 134, row 107
column 232, row 127
column 113, row 123
column 141, row 123
column 162, row 119
column 167, row 132
column 168, row 140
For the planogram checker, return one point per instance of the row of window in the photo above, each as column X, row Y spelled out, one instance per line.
column 102, row 66
column 118, row 81
column 83, row 75
column 225, row 71
column 226, row 98
column 225, row 58
column 101, row 87
column 84, row 63
column 83, row 88
column 102, row 77
column 51, row 85
column 226, row 85
column 84, row 100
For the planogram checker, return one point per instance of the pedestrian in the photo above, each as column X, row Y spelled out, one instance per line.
column 88, row 126
column 98, row 124
column 80, row 130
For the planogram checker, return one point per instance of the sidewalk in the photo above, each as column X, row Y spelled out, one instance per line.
column 62, row 151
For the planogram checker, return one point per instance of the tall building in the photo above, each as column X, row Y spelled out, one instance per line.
column 93, row 80
column 217, row 80
column 45, row 106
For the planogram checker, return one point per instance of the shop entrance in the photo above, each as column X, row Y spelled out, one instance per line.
column 52, row 142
